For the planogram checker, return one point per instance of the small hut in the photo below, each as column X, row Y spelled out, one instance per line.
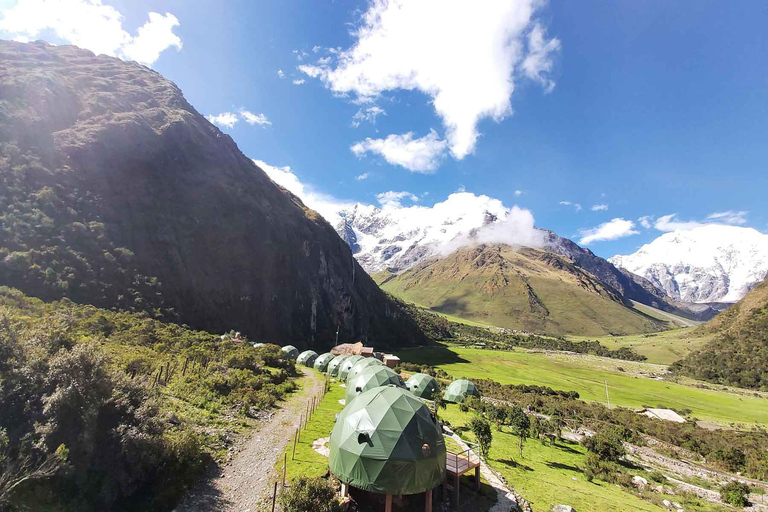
column 335, row 365
column 307, row 358
column 362, row 365
column 422, row 385
column 321, row 363
column 290, row 352
column 369, row 378
column 459, row 390
column 347, row 365
column 387, row 443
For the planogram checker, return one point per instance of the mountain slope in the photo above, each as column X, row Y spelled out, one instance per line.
column 116, row 192
column 524, row 289
column 738, row 355
column 711, row 263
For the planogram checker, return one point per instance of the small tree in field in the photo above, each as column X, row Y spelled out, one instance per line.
column 520, row 424
column 482, row 430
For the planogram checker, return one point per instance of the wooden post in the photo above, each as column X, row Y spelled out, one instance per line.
column 306, row 418
column 285, row 467
column 456, row 484
column 298, row 435
column 295, row 438
column 428, row 501
column 388, row 504
column 274, row 497
column 477, row 478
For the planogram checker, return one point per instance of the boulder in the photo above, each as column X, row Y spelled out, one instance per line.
column 563, row 508
column 639, row 482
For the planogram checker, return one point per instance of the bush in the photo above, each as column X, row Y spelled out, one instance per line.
column 309, row 495
column 658, row 477
column 735, row 493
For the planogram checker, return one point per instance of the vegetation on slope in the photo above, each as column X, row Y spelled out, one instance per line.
column 117, row 411
column 738, row 354
column 522, row 289
column 116, row 192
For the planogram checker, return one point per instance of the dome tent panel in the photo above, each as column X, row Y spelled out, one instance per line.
column 322, row 361
column 422, row 385
column 362, row 365
column 347, row 365
column 290, row 352
column 371, row 377
column 387, row 441
column 459, row 390
column 307, row 358
column 335, row 365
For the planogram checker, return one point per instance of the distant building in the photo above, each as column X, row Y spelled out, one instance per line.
column 661, row 414
column 352, row 349
column 390, row 360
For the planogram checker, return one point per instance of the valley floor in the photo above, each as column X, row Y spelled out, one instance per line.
column 630, row 384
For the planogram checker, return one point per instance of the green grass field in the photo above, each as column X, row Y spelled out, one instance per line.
column 661, row 347
column 550, row 475
column 587, row 375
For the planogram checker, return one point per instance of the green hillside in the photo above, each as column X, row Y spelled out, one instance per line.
column 737, row 355
column 523, row 289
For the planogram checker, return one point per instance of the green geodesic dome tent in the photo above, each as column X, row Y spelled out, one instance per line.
column 459, row 390
column 347, row 365
column 371, row 377
column 335, row 365
column 387, row 441
column 321, row 363
column 307, row 358
column 290, row 351
column 422, row 385
column 362, row 365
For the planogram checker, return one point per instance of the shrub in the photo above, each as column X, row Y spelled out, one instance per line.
column 735, row 493
column 657, row 476
column 308, row 494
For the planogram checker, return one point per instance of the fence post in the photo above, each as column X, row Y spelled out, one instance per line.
column 298, row 435
column 295, row 436
column 274, row 497
column 285, row 467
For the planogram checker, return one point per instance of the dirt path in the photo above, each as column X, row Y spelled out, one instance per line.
column 238, row 486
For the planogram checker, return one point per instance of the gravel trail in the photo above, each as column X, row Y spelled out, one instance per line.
column 245, row 480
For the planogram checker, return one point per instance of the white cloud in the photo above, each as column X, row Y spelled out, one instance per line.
column 393, row 199
column 538, row 64
column 299, row 81
column 672, row 222
column 91, row 25
column 316, row 48
column 518, row 193
column 611, row 230
column 599, row 207
column 576, row 206
column 364, row 176
column 645, row 221
column 324, row 204
column 280, row 74
column 225, row 119
column 418, row 155
column 252, row 118
column 464, row 55
column 368, row 114
column 729, row 217
column 565, row 203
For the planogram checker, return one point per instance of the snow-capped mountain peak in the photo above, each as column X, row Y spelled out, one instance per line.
column 711, row 263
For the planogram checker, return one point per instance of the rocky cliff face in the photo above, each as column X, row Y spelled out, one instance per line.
column 116, row 192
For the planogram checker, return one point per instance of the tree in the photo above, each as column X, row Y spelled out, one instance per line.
column 606, row 444
column 520, row 424
column 439, row 403
column 313, row 494
column 482, row 431
column 498, row 415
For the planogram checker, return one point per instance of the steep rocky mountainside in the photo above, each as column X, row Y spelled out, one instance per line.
column 738, row 354
column 523, row 289
column 115, row 191
column 711, row 263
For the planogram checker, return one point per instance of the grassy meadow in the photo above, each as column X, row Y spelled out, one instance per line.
column 629, row 383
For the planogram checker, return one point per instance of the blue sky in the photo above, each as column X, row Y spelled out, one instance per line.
column 656, row 107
